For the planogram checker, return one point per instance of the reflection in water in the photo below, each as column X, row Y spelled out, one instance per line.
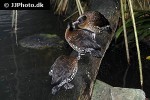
column 14, row 24
column 24, row 72
column 16, row 74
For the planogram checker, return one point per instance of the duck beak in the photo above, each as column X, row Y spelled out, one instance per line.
column 75, row 24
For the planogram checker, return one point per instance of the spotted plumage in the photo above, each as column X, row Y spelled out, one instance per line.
column 81, row 40
column 63, row 71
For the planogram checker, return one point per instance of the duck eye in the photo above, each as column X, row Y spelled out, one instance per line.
column 82, row 19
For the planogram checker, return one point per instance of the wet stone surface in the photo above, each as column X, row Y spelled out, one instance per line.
column 41, row 41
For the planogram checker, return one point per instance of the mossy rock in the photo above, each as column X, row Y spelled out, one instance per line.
column 42, row 41
column 103, row 91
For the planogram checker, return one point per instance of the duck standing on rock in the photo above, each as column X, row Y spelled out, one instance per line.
column 93, row 21
column 81, row 40
column 63, row 71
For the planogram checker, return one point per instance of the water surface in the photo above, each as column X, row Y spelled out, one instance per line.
column 24, row 72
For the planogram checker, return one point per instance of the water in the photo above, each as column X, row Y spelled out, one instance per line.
column 24, row 72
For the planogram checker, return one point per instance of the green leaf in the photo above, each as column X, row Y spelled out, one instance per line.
column 142, row 23
column 148, row 57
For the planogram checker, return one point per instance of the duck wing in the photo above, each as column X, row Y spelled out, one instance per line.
column 85, row 40
column 61, row 70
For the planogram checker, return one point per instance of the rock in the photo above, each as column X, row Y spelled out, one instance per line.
column 103, row 91
column 41, row 41
column 118, row 93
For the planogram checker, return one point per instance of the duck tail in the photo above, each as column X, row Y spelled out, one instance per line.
column 96, row 53
column 55, row 89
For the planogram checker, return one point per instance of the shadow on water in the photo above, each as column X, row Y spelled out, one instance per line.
column 24, row 72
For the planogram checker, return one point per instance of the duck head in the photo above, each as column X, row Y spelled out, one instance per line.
column 91, row 20
column 80, row 22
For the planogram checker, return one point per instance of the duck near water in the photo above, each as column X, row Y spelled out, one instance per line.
column 81, row 40
column 81, row 37
column 93, row 21
column 63, row 71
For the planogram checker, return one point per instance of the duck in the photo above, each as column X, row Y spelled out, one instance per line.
column 63, row 72
column 93, row 21
column 81, row 40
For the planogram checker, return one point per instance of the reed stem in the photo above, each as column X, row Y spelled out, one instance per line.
column 126, row 42
column 137, row 43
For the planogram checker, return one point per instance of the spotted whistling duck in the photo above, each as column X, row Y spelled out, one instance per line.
column 63, row 71
column 81, row 40
column 93, row 21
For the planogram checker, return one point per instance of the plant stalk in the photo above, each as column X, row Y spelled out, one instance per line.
column 137, row 43
column 126, row 42
column 80, row 9
column 125, row 32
